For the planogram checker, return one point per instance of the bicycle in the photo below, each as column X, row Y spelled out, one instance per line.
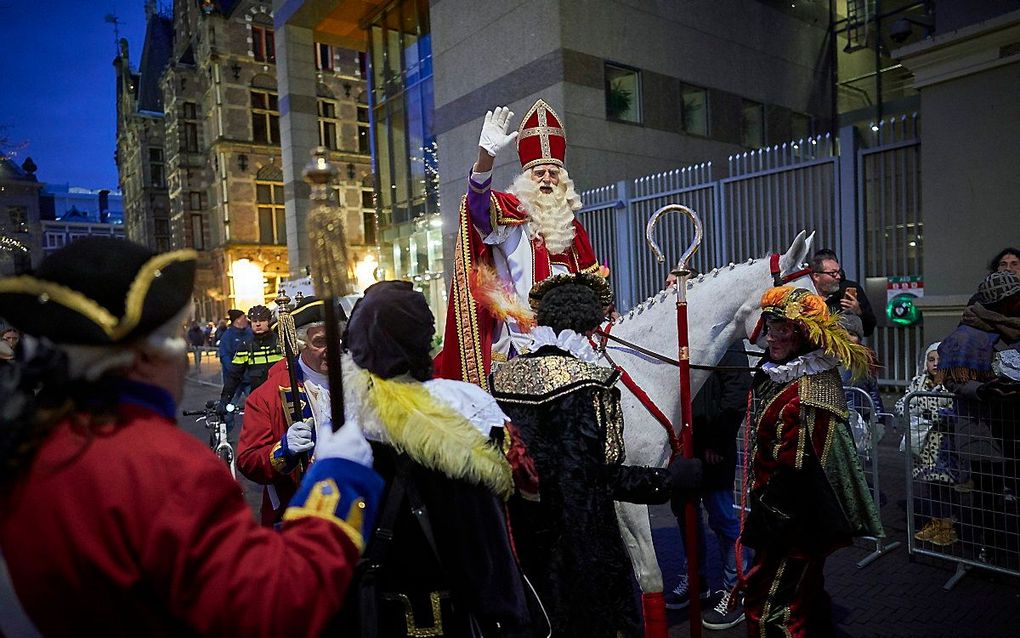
column 217, row 427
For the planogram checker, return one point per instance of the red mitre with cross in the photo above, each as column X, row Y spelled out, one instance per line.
column 540, row 138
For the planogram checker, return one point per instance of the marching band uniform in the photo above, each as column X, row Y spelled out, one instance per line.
column 808, row 493
column 494, row 233
column 119, row 523
column 263, row 455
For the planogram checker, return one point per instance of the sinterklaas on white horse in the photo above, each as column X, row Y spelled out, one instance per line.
column 723, row 309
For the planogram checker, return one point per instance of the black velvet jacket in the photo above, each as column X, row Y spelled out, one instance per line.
column 567, row 413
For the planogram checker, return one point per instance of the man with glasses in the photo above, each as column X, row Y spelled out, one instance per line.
column 841, row 294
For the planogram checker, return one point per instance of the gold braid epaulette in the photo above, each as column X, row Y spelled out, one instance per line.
column 536, row 380
column 825, row 391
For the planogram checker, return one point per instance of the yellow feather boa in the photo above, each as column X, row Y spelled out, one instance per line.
column 402, row 413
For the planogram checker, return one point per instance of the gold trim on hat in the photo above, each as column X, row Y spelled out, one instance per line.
column 91, row 309
column 542, row 131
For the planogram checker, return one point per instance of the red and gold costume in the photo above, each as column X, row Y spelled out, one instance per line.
column 473, row 327
column 808, row 493
column 134, row 528
column 262, row 454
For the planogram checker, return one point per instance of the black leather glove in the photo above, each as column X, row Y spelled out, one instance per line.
column 685, row 473
column 221, row 408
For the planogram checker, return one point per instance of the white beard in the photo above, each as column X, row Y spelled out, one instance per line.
column 550, row 215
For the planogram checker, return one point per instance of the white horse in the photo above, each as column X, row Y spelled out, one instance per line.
column 723, row 308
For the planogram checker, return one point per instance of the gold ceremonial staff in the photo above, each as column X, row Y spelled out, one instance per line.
column 329, row 265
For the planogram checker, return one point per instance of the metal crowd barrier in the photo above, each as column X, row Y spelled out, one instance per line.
column 860, row 401
column 962, row 482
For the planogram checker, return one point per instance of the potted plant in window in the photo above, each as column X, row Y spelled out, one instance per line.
column 618, row 100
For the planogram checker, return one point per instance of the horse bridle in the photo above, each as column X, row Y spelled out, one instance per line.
column 778, row 279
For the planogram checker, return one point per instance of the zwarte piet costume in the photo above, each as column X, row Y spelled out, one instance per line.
column 808, row 494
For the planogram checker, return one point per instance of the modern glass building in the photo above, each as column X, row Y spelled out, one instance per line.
column 405, row 148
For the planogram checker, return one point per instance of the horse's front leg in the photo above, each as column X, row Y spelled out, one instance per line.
column 637, row 534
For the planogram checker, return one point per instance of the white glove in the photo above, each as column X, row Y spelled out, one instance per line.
column 494, row 136
column 349, row 443
column 299, row 437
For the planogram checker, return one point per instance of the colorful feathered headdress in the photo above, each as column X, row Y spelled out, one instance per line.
column 820, row 326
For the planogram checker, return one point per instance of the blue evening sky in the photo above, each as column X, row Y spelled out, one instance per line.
column 57, row 84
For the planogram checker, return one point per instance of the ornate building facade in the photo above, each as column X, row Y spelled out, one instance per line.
column 227, row 194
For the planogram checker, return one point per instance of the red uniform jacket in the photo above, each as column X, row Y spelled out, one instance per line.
column 259, row 457
column 139, row 530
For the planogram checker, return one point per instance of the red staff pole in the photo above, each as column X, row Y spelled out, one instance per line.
column 682, row 272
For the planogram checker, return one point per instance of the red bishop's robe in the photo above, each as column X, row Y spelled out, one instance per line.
column 470, row 327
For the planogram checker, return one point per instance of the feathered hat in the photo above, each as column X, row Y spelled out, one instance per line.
column 540, row 137
column 821, row 327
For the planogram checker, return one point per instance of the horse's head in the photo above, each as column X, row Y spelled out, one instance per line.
column 764, row 278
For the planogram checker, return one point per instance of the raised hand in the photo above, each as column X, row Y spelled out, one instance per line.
column 494, row 136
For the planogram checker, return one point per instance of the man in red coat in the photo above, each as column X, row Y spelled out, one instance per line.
column 272, row 446
column 508, row 242
column 115, row 522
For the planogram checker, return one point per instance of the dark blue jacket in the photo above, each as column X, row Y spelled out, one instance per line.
column 232, row 341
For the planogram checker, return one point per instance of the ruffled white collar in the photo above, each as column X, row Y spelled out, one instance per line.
column 566, row 340
column 811, row 363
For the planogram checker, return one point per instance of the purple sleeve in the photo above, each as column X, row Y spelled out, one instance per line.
column 478, row 205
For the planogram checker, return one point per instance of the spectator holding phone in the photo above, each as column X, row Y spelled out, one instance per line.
column 841, row 294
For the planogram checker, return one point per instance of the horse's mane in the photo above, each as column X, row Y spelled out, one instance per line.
column 661, row 295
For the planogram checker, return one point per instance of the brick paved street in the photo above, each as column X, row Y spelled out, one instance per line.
column 892, row 597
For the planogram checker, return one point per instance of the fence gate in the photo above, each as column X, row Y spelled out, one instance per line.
column 891, row 227
column 768, row 197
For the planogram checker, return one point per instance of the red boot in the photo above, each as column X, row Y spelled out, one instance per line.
column 653, row 607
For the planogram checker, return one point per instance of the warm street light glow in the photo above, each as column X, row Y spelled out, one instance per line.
column 364, row 271
column 249, row 284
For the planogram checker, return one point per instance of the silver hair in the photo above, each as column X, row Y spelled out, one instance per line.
column 92, row 362
column 302, row 332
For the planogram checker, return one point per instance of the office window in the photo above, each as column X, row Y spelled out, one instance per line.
column 190, row 111
column 272, row 214
column 19, row 218
column 157, row 177
column 364, row 130
column 262, row 43
column 54, row 240
column 694, row 109
column 623, row 93
column 752, row 124
column 265, row 117
column 324, row 59
column 801, row 126
column 197, row 232
column 328, row 124
column 197, row 200
column 368, row 216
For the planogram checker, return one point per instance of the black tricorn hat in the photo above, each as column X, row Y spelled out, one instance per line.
column 310, row 310
column 99, row 291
